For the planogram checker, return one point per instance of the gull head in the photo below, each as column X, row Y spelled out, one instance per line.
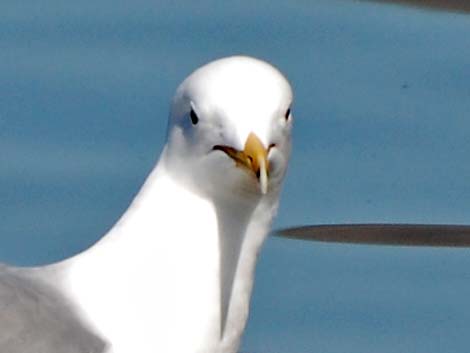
column 230, row 128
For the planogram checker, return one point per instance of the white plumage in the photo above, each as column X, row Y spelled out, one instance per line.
column 175, row 273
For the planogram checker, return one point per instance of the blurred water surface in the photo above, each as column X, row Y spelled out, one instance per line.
column 382, row 135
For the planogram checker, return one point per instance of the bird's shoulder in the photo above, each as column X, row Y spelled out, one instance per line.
column 35, row 318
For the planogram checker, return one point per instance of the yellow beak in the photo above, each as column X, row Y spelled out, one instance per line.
column 254, row 157
column 257, row 160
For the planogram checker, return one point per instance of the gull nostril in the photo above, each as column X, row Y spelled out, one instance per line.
column 271, row 146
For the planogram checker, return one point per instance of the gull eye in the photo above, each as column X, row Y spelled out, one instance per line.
column 287, row 115
column 194, row 117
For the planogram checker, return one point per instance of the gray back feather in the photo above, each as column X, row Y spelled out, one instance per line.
column 35, row 318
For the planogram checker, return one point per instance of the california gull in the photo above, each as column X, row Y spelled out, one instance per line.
column 175, row 273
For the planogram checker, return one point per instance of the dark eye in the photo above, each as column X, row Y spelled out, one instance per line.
column 194, row 117
column 287, row 115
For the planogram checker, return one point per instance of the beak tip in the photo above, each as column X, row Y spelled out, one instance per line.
column 263, row 178
column 264, row 189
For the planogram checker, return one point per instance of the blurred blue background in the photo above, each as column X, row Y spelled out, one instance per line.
column 382, row 135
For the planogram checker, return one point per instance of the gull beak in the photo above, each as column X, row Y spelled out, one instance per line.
column 254, row 158
column 257, row 160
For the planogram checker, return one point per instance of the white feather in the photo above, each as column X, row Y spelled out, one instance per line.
column 175, row 274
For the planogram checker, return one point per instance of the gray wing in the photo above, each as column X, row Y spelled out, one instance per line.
column 437, row 235
column 445, row 5
column 36, row 319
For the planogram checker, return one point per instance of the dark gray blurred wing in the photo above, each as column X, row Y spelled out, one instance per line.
column 446, row 5
column 35, row 319
column 384, row 234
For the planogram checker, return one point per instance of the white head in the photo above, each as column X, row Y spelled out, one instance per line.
column 230, row 128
